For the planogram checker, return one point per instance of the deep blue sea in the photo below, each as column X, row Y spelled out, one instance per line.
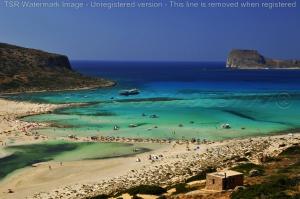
column 205, row 76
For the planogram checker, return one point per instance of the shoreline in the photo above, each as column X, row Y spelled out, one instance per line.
column 13, row 121
column 178, row 159
column 12, row 128
column 81, row 179
column 37, row 179
column 108, row 85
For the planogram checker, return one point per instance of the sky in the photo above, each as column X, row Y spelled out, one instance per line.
column 165, row 34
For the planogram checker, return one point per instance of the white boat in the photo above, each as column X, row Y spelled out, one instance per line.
column 116, row 127
column 132, row 125
column 226, row 126
column 130, row 92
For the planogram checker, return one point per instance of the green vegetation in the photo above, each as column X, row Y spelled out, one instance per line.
column 146, row 189
column 201, row 175
column 247, row 167
column 272, row 159
column 282, row 184
column 182, row 188
column 275, row 189
column 294, row 168
column 291, row 152
column 294, row 150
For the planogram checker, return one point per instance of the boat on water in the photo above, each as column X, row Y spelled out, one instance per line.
column 133, row 125
column 116, row 127
column 226, row 126
column 129, row 92
column 153, row 116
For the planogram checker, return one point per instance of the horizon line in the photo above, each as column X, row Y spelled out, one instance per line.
column 150, row 61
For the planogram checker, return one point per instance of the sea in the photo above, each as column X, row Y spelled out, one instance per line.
column 190, row 100
column 177, row 100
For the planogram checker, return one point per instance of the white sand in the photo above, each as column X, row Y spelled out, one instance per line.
column 13, row 129
column 79, row 179
column 31, row 180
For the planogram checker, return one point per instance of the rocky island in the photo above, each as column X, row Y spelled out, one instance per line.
column 25, row 70
column 252, row 59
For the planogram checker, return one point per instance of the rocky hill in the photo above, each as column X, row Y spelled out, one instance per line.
column 252, row 59
column 24, row 69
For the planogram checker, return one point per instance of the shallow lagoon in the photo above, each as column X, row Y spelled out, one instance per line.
column 200, row 115
column 25, row 155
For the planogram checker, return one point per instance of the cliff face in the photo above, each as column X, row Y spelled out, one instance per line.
column 252, row 59
column 24, row 69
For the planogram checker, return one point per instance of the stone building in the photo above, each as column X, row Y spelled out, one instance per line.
column 224, row 180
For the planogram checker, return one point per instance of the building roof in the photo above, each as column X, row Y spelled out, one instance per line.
column 221, row 174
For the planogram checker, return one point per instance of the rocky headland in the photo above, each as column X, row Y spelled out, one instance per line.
column 252, row 59
column 26, row 70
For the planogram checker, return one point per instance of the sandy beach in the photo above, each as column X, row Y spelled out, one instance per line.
column 14, row 130
column 172, row 163
column 176, row 164
column 79, row 179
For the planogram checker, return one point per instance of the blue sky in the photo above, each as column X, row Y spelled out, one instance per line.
column 166, row 34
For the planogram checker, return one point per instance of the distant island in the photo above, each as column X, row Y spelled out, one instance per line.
column 252, row 59
column 28, row 70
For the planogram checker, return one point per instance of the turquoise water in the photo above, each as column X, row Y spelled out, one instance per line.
column 191, row 100
column 201, row 117
column 26, row 155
